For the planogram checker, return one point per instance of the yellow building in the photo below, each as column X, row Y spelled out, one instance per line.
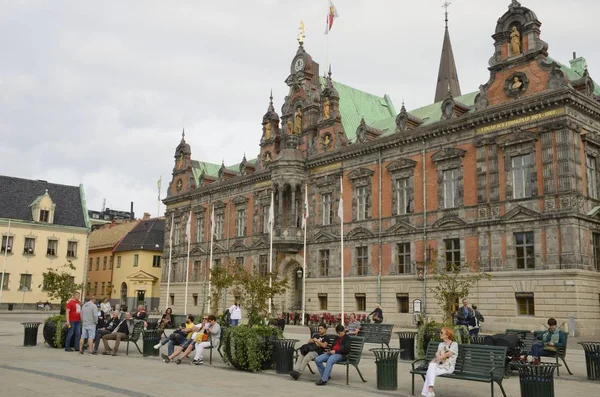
column 137, row 266
column 43, row 225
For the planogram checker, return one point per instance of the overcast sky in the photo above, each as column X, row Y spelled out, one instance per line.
column 98, row 92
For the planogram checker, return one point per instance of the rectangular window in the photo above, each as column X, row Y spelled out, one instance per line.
column 361, row 302
column 263, row 265
column 521, row 170
column 452, row 253
column 327, row 209
column 197, row 266
column 97, row 263
column 322, row 301
column 7, row 244
column 176, row 233
column 324, row 263
column 240, row 223
column 88, row 287
column 525, row 303
column 592, row 180
column 219, row 221
column 52, row 247
column 111, row 260
column 199, row 229
column 239, row 260
column 361, row 203
column 216, row 263
column 136, row 260
column 402, row 300
column 195, row 299
column 103, row 288
column 72, row 250
column 362, row 261
column 156, row 261
column 402, row 196
column 525, row 251
column 172, row 299
column 403, row 258
column 29, row 248
column 44, row 216
column 119, row 261
column 104, row 263
column 25, row 282
column 5, row 282
column 450, row 188
column 265, row 218
column 95, row 288
column 90, row 264
column 596, row 243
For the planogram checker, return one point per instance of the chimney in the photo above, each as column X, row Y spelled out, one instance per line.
column 574, row 55
column 131, row 214
column 146, row 216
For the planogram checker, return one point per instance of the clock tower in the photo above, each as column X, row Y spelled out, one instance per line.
column 183, row 178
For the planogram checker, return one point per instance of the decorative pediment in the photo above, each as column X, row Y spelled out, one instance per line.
column 520, row 213
column 218, row 249
column 400, row 164
column 328, row 180
column 406, row 121
column 359, row 232
column 238, row 246
column 449, row 221
column 323, row 237
column 260, row 243
column 219, row 204
column 239, row 200
column 516, row 137
column 448, row 154
column 401, row 227
column 141, row 275
column 591, row 138
column 487, row 141
column 360, row 173
column 365, row 132
column 197, row 251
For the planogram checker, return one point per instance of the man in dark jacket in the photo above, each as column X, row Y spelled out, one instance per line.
column 105, row 328
column 339, row 350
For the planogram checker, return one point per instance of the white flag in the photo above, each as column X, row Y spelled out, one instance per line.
column 340, row 213
column 171, row 231
column 212, row 221
column 188, row 227
column 305, row 215
column 271, row 213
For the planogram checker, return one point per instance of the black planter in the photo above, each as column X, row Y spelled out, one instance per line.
column 231, row 353
column 50, row 330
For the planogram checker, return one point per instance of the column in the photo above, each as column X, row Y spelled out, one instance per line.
column 293, row 206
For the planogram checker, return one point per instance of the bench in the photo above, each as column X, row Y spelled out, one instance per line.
column 376, row 333
column 210, row 348
column 529, row 340
column 134, row 336
column 475, row 363
column 353, row 358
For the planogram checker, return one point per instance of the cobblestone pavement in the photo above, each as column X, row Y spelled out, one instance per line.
column 43, row 371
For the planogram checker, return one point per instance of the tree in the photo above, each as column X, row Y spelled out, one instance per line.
column 453, row 285
column 221, row 279
column 60, row 284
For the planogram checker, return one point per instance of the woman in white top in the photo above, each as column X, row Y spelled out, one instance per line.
column 235, row 314
column 105, row 307
column 443, row 362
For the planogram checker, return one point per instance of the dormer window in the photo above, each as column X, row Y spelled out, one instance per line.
column 44, row 216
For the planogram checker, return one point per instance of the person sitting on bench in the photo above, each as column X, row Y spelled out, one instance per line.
column 547, row 341
column 443, row 362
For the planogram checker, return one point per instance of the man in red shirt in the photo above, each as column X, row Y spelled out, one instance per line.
column 73, row 314
column 339, row 350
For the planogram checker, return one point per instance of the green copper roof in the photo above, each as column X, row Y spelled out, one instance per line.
column 209, row 169
column 356, row 104
column 575, row 72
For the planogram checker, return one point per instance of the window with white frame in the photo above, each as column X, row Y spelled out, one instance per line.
column 265, row 218
column 52, row 247
column 7, row 244
column 219, row 221
column 156, row 260
column 323, row 263
column 240, row 223
column 25, row 282
column 29, row 247
column 176, row 233
column 403, row 258
column 525, row 250
column 5, row 280
column 327, row 209
column 521, row 171
column 199, row 229
column 592, row 176
column 362, row 193
column 72, row 250
column 136, row 260
column 362, row 261
column 451, row 185
column 403, row 198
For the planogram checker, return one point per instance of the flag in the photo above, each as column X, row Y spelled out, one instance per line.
column 159, row 182
column 212, row 222
column 271, row 213
column 331, row 16
column 171, row 231
column 305, row 215
column 188, row 227
column 340, row 213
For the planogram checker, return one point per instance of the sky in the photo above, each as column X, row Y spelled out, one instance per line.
column 97, row 93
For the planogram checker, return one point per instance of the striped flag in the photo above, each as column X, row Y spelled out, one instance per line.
column 332, row 14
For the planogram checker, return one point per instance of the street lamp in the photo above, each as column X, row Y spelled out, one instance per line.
column 299, row 272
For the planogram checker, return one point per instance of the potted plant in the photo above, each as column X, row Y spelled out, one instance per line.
column 250, row 348
column 55, row 331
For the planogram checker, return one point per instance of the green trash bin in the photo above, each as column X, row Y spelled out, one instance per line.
column 31, row 333
column 386, row 362
column 537, row 380
column 284, row 355
column 151, row 338
column 407, row 344
column 592, row 359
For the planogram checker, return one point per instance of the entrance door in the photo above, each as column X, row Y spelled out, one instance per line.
column 123, row 296
column 141, row 298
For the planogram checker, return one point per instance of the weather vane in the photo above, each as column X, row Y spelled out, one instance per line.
column 301, row 33
column 445, row 7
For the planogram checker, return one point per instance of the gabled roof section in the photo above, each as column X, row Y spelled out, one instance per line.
column 16, row 195
column 146, row 235
column 356, row 105
column 447, row 81
column 110, row 234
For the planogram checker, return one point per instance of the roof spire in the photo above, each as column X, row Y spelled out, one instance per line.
column 447, row 81
column 183, row 135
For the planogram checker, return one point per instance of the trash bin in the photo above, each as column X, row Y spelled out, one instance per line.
column 151, row 338
column 386, row 362
column 152, row 324
column 537, row 380
column 592, row 359
column 10, row 307
column 31, row 333
column 407, row 344
column 284, row 355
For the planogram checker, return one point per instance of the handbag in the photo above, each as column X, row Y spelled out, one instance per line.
column 550, row 348
column 305, row 349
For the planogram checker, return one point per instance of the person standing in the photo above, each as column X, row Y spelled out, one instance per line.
column 106, row 307
column 235, row 314
column 73, row 316
column 89, row 319
column 464, row 314
column 475, row 324
column 443, row 362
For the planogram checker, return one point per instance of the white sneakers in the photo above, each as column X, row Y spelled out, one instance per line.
column 157, row 346
column 431, row 394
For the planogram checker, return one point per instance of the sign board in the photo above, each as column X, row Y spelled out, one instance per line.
column 417, row 306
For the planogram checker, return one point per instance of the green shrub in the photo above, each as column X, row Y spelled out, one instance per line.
column 59, row 322
column 461, row 335
column 249, row 348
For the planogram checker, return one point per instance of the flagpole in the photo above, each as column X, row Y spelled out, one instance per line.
column 342, row 249
column 187, row 264
column 305, row 253
column 170, row 256
column 5, row 256
column 158, row 205
column 272, row 221
column 210, row 257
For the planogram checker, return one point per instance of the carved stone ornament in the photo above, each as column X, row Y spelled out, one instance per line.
column 400, row 164
column 481, row 100
column 556, row 77
column 267, row 158
column 326, row 141
column 550, row 204
column 495, row 211
column 448, row 109
column 360, row 173
column 516, row 85
column 447, row 154
column 517, row 136
column 482, row 212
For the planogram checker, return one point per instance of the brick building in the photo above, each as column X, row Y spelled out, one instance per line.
column 504, row 179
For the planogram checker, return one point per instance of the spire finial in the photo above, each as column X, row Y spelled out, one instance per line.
column 445, row 7
column 271, row 96
column 329, row 72
column 301, row 34
column 514, row 4
column 183, row 135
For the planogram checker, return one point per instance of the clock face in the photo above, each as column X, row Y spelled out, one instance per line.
column 299, row 65
column 179, row 185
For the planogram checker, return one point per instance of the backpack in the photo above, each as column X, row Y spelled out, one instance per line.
column 479, row 316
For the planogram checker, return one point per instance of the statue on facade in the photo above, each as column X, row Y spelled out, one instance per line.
column 268, row 131
column 298, row 121
column 516, row 84
column 515, row 41
column 326, row 109
column 180, row 162
column 290, row 127
column 301, row 34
